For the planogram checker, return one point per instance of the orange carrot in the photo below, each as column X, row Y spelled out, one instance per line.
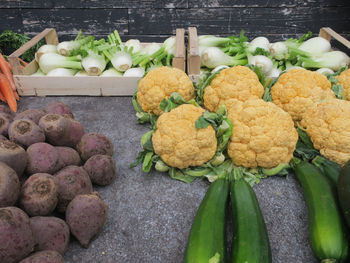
column 6, row 90
column 16, row 95
column 2, row 98
column 22, row 62
column 6, row 71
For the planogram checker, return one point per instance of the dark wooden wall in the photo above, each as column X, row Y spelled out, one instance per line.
column 152, row 20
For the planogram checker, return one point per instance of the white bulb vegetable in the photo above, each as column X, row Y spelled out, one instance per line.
column 61, row 72
column 48, row 48
column 50, row 61
column 121, row 61
column 134, row 72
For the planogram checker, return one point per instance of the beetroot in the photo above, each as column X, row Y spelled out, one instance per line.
column 16, row 238
column 43, row 158
column 5, row 120
column 94, row 143
column 39, row 194
column 56, row 128
column 14, row 156
column 33, row 114
column 50, row 233
column 86, row 216
column 68, row 155
column 72, row 180
column 58, row 107
column 9, row 185
column 101, row 169
column 25, row 133
column 46, row 256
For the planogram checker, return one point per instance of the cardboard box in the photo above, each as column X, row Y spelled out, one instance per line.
column 86, row 86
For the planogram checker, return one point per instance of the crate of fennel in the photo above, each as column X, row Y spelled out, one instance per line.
column 90, row 67
column 207, row 54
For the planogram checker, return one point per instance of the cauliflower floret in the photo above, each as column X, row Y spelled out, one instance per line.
column 238, row 82
column 344, row 80
column 263, row 134
column 159, row 84
column 298, row 89
column 179, row 143
column 328, row 126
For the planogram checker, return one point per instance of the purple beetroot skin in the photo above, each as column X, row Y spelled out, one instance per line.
column 5, row 121
column 71, row 180
column 32, row 114
column 16, row 238
column 86, row 216
column 101, row 169
column 14, row 156
column 9, row 186
column 39, row 194
column 50, row 233
column 43, row 158
column 46, row 256
column 25, row 133
column 94, row 143
column 68, row 155
column 58, row 107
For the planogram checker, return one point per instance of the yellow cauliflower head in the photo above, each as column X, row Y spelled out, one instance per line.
column 298, row 89
column 179, row 143
column 238, row 82
column 263, row 135
column 159, row 84
column 344, row 80
column 328, row 126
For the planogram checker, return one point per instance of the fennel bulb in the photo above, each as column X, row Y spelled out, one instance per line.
column 134, row 72
column 61, row 72
column 45, row 49
column 274, row 73
column 169, row 45
column 213, row 57
column 81, row 73
column 262, row 62
column 333, row 60
column 212, row 41
column 38, row 73
column 65, row 47
column 151, row 48
column 121, row 61
column 315, row 46
column 325, row 71
column 135, row 44
column 278, row 50
column 258, row 42
column 111, row 72
column 50, row 61
column 94, row 64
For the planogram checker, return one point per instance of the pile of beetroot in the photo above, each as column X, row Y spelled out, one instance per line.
column 47, row 167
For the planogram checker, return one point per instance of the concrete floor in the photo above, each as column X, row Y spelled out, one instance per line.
column 150, row 215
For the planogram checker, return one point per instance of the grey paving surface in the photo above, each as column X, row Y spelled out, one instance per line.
column 150, row 215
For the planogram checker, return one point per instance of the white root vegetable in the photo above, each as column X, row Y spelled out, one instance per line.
column 121, row 61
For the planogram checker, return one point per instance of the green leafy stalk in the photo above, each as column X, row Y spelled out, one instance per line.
column 305, row 148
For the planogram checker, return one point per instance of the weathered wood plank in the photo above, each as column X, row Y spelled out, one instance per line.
column 96, row 4
column 255, row 21
column 70, row 21
column 11, row 19
column 266, row 3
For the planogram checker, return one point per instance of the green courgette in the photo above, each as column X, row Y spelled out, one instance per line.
column 250, row 241
column 344, row 191
column 327, row 232
column 206, row 243
column 330, row 169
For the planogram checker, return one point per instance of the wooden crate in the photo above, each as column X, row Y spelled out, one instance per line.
column 193, row 58
column 81, row 85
